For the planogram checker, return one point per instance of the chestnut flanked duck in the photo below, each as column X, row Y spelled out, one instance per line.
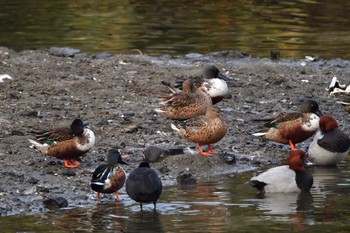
column 330, row 145
column 294, row 127
column 143, row 185
column 109, row 177
column 185, row 104
column 212, row 80
column 204, row 130
column 286, row 178
column 61, row 133
column 67, row 145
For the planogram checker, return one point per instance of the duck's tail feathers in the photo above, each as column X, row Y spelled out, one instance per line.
column 343, row 103
column 260, row 134
column 172, row 89
column 43, row 148
column 159, row 110
column 174, row 128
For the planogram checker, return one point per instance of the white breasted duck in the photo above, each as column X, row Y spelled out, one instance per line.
column 66, row 144
column 330, row 145
column 212, row 80
column 143, row 185
column 109, row 177
column 285, row 178
column 294, row 127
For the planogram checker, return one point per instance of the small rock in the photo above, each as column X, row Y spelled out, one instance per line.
column 17, row 132
column 33, row 180
column 229, row 158
column 102, row 55
column 68, row 172
column 30, row 113
column 164, row 169
column 130, row 129
column 185, row 178
column 41, row 189
column 63, row 52
column 55, row 203
column 193, row 55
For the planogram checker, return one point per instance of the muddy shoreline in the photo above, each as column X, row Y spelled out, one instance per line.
column 117, row 94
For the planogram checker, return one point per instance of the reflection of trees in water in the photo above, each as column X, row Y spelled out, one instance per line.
column 163, row 26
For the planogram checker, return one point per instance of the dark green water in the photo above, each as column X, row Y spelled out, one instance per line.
column 297, row 28
column 222, row 205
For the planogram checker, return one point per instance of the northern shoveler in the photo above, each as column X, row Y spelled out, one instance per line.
column 204, row 130
column 185, row 104
column 109, row 177
column 67, row 144
column 330, row 144
column 286, row 178
column 143, row 185
column 292, row 128
column 212, row 80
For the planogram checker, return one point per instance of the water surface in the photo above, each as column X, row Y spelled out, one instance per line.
column 225, row 204
column 297, row 28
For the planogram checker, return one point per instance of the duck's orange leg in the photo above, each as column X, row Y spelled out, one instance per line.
column 98, row 196
column 71, row 163
column 117, row 196
column 211, row 150
column 292, row 146
column 203, row 152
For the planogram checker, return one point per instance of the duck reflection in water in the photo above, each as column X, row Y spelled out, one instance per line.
column 286, row 207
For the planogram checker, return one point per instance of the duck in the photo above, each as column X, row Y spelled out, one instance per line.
column 143, row 185
column 212, row 80
column 109, row 177
column 330, row 144
column 286, row 178
column 60, row 134
column 190, row 102
column 67, row 144
column 204, row 130
column 294, row 127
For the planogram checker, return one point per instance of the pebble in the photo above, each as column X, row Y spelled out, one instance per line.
column 185, row 178
column 55, row 203
column 68, row 172
column 63, row 52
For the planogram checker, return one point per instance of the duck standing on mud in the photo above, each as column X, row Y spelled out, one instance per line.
column 67, row 144
column 294, row 127
column 204, row 130
column 190, row 102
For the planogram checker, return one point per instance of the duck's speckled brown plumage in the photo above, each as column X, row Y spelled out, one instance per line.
column 186, row 104
column 206, row 129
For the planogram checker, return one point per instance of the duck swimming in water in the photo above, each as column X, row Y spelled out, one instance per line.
column 286, row 178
